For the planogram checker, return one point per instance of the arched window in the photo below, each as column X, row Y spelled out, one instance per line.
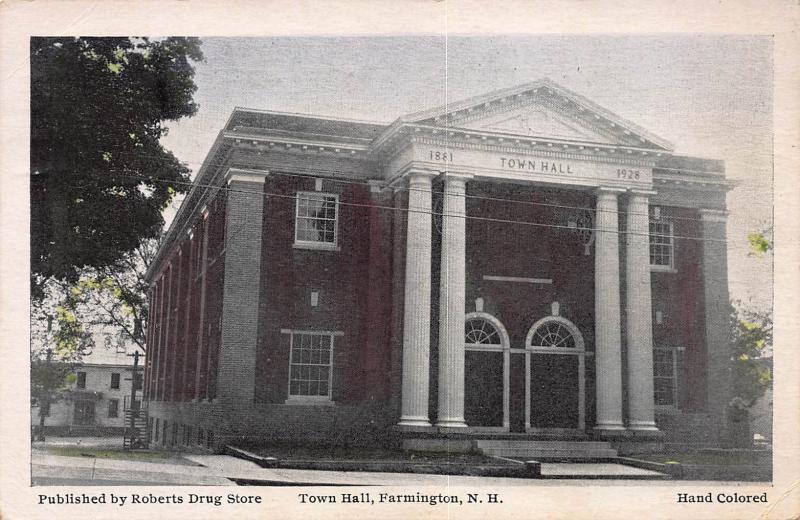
column 487, row 361
column 479, row 331
column 483, row 331
column 549, row 377
column 554, row 333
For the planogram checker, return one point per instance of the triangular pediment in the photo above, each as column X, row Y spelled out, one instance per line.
column 540, row 109
column 541, row 121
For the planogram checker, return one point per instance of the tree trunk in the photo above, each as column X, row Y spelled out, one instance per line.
column 44, row 404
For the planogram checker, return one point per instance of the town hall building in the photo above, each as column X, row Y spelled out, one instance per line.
column 521, row 264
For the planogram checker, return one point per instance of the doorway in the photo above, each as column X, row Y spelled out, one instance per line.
column 84, row 413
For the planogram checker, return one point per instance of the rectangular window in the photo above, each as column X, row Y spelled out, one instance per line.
column 81, row 382
column 316, row 220
column 662, row 244
column 113, row 407
column 665, row 377
column 310, row 364
column 115, row 381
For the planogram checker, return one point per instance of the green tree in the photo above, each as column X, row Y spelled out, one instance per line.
column 760, row 242
column 58, row 342
column 114, row 298
column 751, row 340
column 99, row 175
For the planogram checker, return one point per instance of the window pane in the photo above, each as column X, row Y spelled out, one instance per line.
column 316, row 217
column 310, row 364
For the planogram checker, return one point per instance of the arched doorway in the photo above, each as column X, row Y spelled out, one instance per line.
column 555, row 383
column 486, row 372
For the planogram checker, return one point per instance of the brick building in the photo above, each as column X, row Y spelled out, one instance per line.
column 521, row 261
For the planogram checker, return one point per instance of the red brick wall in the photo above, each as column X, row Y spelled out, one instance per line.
column 679, row 296
column 341, row 278
column 178, row 337
column 360, row 291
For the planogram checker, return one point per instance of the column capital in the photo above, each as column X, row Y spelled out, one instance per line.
column 457, row 176
column 641, row 193
column 608, row 192
column 376, row 186
column 714, row 215
column 245, row 175
column 420, row 177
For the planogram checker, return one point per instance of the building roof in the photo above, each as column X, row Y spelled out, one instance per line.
column 371, row 139
column 246, row 120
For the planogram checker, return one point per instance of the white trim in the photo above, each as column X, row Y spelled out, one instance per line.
column 675, row 391
column 517, row 279
column 245, row 175
column 319, row 332
column 662, row 269
column 662, row 220
column 558, row 351
column 714, row 215
column 504, row 348
column 310, row 399
column 316, row 244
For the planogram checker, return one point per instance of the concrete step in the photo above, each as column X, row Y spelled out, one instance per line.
column 542, row 454
column 534, row 449
column 506, row 443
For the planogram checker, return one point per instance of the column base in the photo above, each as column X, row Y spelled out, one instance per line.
column 451, row 423
column 645, row 431
column 611, row 430
column 642, row 426
column 414, row 422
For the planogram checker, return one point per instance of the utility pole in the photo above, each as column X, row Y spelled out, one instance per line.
column 135, row 408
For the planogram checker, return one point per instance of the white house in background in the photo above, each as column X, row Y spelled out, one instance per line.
column 95, row 402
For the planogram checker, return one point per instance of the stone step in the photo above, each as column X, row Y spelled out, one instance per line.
column 545, row 454
column 534, row 444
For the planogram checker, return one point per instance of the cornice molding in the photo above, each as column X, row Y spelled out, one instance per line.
column 714, row 215
column 538, row 152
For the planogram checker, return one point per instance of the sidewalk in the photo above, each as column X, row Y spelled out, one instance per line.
column 223, row 470
column 90, row 469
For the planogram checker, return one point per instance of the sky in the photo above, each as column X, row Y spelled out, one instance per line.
column 710, row 96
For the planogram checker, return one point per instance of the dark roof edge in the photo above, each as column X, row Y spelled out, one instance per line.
column 172, row 231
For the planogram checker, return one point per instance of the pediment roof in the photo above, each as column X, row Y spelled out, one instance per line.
column 542, row 109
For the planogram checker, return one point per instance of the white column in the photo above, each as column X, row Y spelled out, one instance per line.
column 608, row 354
column 639, row 327
column 451, row 303
column 417, row 305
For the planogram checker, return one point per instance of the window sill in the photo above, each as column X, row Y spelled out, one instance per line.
column 317, row 246
column 662, row 269
column 309, row 401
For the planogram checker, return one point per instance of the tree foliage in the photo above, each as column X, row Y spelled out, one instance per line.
column 760, row 242
column 58, row 342
column 115, row 297
column 99, row 175
column 751, row 340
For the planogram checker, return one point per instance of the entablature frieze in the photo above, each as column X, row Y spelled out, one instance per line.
column 508, row 163
column 544, row 148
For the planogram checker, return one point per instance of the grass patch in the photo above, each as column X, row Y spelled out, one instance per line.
column 339, row 453
column 101, row 453
column 713, row 458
